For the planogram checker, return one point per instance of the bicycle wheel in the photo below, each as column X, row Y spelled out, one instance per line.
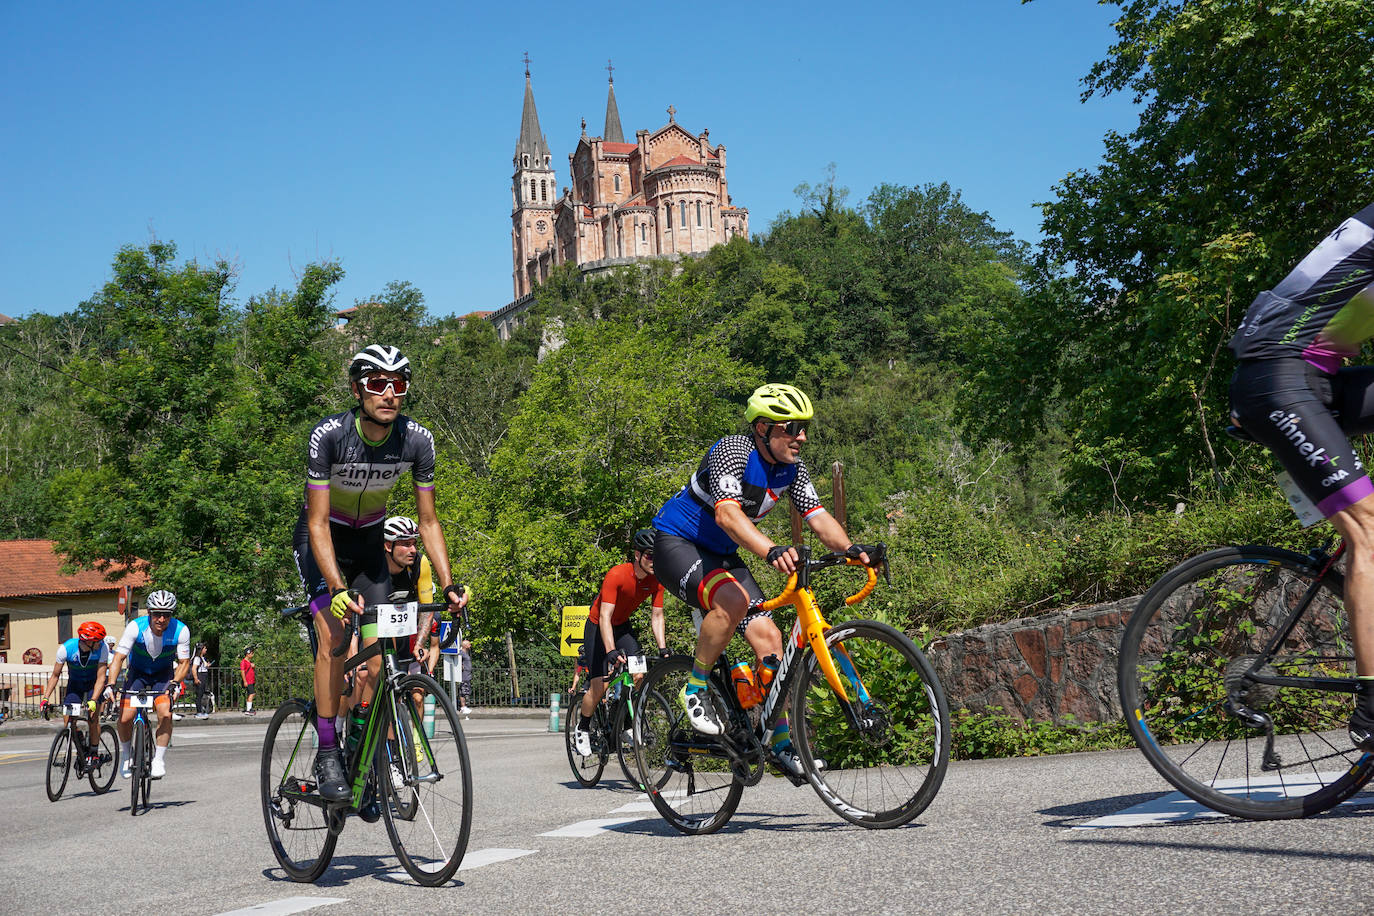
column 431, row 844
column 622, row 720
column 146, row 768
column 294, row 814
column 136, row 765
column 586, row 770
column 687, row 775
column 1185, row 655
column 102, row 773
column 402, row 757
column 886, row 770
column 59, row 764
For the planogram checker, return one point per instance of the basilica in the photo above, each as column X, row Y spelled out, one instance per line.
column 663, row 194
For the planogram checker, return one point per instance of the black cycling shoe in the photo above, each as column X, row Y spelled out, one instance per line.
column 329, row 775
column 1361, row 731
column 368, row 810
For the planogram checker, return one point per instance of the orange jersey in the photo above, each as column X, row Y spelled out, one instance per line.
column 621, row 589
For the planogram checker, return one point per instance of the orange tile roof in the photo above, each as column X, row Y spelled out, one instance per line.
column 620, row 147
column 31, row 568
column 680, row 160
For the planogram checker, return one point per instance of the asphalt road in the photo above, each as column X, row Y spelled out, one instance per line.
column 1005, row 836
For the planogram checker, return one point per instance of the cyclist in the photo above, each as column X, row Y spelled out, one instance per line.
column 87, row 659
column 1291, row 393
column 701, row 528
column 353, row 460
column 158, row 650
column 609, row 631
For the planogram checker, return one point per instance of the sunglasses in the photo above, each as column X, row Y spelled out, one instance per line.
column 167, row 614
column 793, row 428
column 380, row 385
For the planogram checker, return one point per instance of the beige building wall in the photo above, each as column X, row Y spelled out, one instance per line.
column 33, row 621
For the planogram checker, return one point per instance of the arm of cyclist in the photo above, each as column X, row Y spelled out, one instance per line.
column 98, row 691
column 436, row 548
column 832, row 534
column 606, row 629
column 745, row 533
column 657, row 624
column 51, row 686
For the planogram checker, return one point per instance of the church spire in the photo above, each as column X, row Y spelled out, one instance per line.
column 531, row 137
column 613, row 132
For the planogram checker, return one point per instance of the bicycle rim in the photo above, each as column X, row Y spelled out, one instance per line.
column 623, row 720
column 292, row 811
column 102, row 775
column 136, row 765
column 1184, row 657
column 885, row 771
column 147, row 769
column 59, row 764
column 431, row 844
column 687, row 775
column 586, row 770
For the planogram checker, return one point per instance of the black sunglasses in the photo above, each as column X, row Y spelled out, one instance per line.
column 794, row 428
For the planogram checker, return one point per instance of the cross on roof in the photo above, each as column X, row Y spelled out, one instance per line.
column 527, row 63
column 671, row 112
column 610, row 69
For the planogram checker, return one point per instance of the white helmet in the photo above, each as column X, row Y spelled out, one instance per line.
column 377, row 358
column 399, row 528
column 162, row 600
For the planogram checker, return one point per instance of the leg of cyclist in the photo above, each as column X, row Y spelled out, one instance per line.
column 124, row 728
column 162, row 735
column 596, row 686
column 765, row 639
column 727, row 603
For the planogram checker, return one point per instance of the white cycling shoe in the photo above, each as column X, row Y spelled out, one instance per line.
column 158, row 769
column 703, row 719
column 582, row 742
column 126, row 768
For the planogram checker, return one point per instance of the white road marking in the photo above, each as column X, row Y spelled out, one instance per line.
column 491, row 856
column 635, row 807
column 592, row 827
column 286, row 905
column 1176, row 807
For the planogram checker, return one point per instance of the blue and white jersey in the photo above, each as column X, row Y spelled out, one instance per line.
column 149, row 653
column 82, row 668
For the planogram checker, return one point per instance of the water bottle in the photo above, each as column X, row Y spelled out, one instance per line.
column 746, row 688
column 357, row 722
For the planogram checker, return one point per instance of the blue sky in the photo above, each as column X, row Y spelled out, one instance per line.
column 381, row 135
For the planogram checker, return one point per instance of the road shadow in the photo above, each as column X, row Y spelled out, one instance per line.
column 158, row 805
column 653, row 825
column 1279, row 852
column 344, row 870
column 1078, row 814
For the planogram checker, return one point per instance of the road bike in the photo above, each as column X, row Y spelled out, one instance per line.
column 867, row 716
column 1235, row 677
column 609, row 729
column 141, row 750
column 409, row 760
column 71, row 749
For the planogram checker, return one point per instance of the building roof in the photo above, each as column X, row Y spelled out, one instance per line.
column 32, row 568
column 679, row 160
column 613, row 132
column 610, row 147
column 6, row 319
column 531, row 137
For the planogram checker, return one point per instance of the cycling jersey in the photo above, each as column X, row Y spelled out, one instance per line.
column 415, row 582
column 733, row 471
column 1324, row 309
column 625, row 593
column 359, row 474
column 82, row 667
column 151, row 655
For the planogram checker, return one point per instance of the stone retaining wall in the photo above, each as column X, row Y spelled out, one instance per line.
column 1038, row 668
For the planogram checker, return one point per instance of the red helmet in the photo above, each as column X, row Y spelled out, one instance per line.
column 90, row 630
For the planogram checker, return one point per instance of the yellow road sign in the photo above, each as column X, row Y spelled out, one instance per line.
column 574, row 625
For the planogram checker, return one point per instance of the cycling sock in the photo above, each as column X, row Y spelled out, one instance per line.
column 1364, row 696
column 782, row 733
column 159, row 752
column 126, row 750
column 329, row 735
column 696, row 681
column 584, row 722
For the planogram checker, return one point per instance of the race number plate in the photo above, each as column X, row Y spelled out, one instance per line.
column 74, row 709
column 1303, row 507
column 138, row 702
column 636, row 664
column 398, row 619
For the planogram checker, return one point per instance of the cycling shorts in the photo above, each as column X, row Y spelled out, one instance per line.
column 1305, row 417
column 361, row 559
column 156, row 682
column 694, row 574
column 626, row 640
column 78, row 692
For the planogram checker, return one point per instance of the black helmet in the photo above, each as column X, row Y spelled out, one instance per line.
column 644, row 540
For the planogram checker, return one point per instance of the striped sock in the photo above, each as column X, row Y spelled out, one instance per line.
column 696, row 681
column 782, row 733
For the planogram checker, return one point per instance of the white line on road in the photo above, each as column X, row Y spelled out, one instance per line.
column 286, row 905
column 634, row 807
column 491, row 856
column 592, row 827
column 1177, row 807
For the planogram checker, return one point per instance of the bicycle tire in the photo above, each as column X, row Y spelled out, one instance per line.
column 402, row 753
column 102, row 775
column 149, row 745
column 625, row 750
column 687, row 776
column 59, row 764
column 887, row 772
column 1189, row 642
column 295, row 816
column 432, row 844
column 136, row 765
column 586, row 770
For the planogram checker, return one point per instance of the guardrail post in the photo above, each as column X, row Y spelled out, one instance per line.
column 553, row 713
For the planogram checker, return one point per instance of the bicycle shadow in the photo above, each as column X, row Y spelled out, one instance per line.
column 158, row 805
column 1185, row 812
column 345, row 870
column 652, row 825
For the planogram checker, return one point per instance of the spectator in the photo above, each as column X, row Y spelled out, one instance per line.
column 250, row 680
column 200, row 674
column 465, row 687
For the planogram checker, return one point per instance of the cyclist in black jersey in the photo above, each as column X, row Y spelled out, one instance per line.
column 1291, row 392
column 701, row 529
column 353, row 460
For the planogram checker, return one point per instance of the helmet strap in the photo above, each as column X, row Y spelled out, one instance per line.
column 772, row 459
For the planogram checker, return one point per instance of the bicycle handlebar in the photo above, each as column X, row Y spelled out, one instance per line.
column 877, row 557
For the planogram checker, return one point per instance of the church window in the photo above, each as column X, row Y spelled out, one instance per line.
column 711, row 215
column 543, row 190
column 668, row 213
column 532, row 197
column 698, row 214
column 683, row 205
column 644, row 232
column 617, row 184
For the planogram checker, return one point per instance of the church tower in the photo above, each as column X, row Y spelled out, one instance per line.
column 533, row 193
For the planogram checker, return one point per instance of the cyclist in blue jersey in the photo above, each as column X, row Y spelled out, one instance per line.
column 157, row 649
column 702, row 527
column 353, row 461
column 87, row 660
column 1292, row 393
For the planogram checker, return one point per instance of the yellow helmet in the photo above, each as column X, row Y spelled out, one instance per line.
column 778, row 402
